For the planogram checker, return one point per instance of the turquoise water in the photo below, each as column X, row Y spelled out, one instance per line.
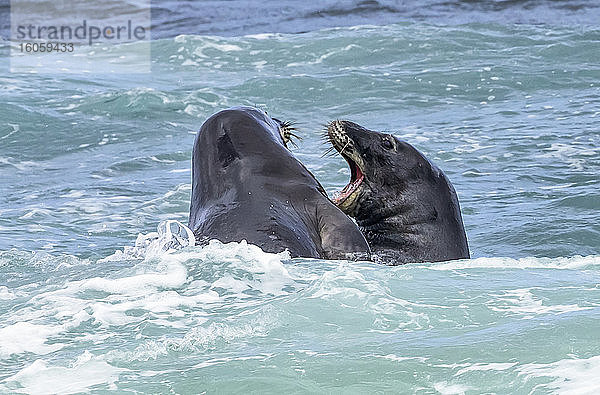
column 510, row 113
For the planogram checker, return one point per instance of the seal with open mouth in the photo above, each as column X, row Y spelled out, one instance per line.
column 246, row 185
column 405, row 205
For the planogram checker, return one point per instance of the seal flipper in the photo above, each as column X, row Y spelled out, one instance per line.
column 340, row 237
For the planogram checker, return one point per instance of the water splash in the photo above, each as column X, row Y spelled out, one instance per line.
column 170, row 236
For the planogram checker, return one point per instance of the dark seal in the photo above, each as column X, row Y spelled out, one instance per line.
column 405, row 206
column 246, row 185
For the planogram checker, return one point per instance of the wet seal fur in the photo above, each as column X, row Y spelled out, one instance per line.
column 246, row 185
column 405, row 205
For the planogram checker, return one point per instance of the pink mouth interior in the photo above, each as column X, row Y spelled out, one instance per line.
column 356, row 178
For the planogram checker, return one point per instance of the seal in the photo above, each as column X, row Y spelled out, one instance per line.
column 246, row 185
column 405, row 205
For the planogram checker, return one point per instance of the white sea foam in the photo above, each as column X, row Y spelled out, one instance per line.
column 22, row 165
column 170, row 236
column 149, row 290
column 224, row 361
column 349, row 285
column 15, row 128
column 324, row 56
column 162, row 289
column 261, row 271
column 571, row 376
column 567, row 263
column 396, row 358
column 574, row 155
column 202, row 337
column 268, row 275
column 446, row 388
column 213, row 43
column 523, row 302
column 6, row 294
column 42, row 378
column 478, row 367
column 23, row 337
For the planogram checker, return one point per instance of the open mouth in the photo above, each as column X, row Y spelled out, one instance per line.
column 339, row 140
column 356, row 179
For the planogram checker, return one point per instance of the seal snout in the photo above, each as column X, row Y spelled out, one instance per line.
column 338, row 137
column 340, row 140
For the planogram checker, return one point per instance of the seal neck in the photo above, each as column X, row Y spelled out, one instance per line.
column 397, row 225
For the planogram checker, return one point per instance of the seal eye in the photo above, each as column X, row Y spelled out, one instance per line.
column 387, row 144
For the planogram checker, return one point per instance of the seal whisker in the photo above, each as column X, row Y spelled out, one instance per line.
column 287, row 129
column 328, row 152
column 325, row 137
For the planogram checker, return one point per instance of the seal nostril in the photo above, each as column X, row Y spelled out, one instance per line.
column 227, row 152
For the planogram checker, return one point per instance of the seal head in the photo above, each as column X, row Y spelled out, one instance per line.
column 246, row 185
column 405, row 205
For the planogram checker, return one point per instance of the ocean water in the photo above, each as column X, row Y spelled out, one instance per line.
column 511, row 113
